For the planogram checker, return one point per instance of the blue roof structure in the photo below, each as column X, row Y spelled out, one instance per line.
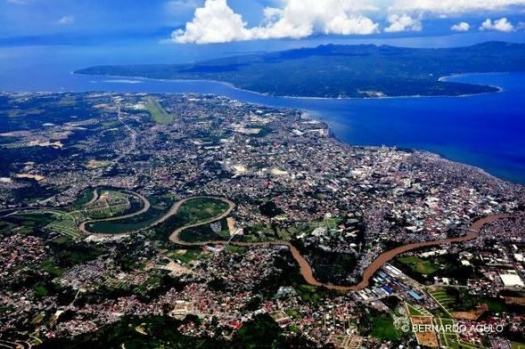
column 415, row 295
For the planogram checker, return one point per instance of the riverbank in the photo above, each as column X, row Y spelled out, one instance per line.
column 145, row 208
column 306, row 269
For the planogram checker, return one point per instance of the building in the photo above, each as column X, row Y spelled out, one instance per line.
column 511, row 280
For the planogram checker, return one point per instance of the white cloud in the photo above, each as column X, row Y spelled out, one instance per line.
column 216, row 22
column 300, row 18
column 461, row 27
column 502, row 25
column 66, row 20
column 401, row 23
column 452, row 6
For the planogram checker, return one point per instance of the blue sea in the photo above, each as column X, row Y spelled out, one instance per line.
column 487, row 131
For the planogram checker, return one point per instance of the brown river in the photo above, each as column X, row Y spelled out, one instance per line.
column 306, row 269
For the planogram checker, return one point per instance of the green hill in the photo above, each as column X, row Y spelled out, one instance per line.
column 343, row 71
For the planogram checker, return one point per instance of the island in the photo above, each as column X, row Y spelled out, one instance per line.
column 343, row 71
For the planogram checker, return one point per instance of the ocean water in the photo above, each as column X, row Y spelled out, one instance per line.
column 487, row 131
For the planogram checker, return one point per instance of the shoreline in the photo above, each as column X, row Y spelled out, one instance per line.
column 447, row 78
column 127, row 79
column 312, row 114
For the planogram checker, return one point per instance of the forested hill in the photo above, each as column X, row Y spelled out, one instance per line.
column 343, row 71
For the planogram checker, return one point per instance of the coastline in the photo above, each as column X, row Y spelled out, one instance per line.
column 444, row 158
column 139, row 79
column 316, row 111
column 447, row 78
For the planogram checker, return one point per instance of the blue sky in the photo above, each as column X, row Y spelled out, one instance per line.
column 26, row 22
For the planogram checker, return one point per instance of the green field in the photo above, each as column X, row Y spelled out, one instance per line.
column 383, row 328
column 413, row 311
column 112, row 203
column 159, row 207
column 418, row 265
column 26, row 222
column 200, row 209
column 447, row 337
column 235, row 249
column 444, row 300
column 192, row 211
column 516, row 345
column 6, row 226
column 157, row 112
column 441, row 296
column 453, row 300
column 64, row 224
column 186, row 255
column 83, row 198
column 310, row 294
column 56, row 221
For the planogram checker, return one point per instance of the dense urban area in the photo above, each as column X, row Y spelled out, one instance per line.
column 157, row 221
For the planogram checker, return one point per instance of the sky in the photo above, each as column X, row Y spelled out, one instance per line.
column 202, row 22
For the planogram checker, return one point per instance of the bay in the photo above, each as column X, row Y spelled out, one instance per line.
column 483, row 130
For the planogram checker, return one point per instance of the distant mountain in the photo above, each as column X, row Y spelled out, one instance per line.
column 343, row 71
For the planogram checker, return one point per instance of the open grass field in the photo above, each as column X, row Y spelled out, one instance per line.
column 6, row 226
column 516, row 345
column 157, row 112
column 83, row 198
column 111, row 203
column 194, row 211
column 447, row 337
column 444, row 300
column 51, row 220
column 66, row 227
column 418, row 265
column 383, row 328
column 187, row 255
column 159, row 207
column 64, row 224
column 56, row 221
column 200, row 209
column 28, row 221
column 411, row 310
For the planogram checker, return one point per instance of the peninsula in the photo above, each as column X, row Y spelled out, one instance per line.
column 343, row 71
